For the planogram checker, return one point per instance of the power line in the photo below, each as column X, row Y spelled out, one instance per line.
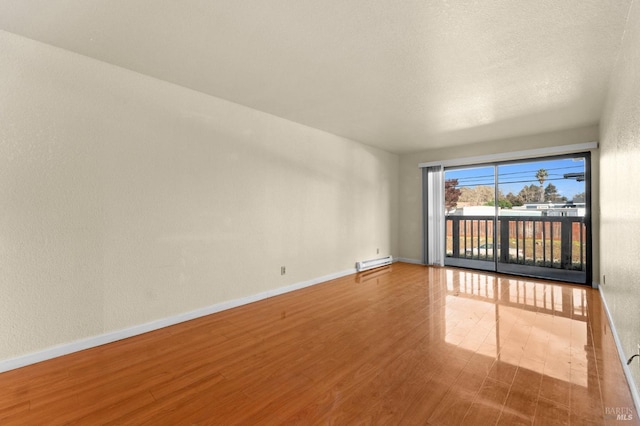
column 491, row 183
column 470, row 179
column 477, row 177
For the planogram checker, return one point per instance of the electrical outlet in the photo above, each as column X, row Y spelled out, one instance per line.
column 604, row 279
column 283, row 270
column 377, row 251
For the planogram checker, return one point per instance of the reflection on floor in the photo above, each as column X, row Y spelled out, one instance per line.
column 405, row 344
column 550, row 342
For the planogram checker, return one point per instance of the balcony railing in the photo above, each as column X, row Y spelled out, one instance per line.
column 553, row 242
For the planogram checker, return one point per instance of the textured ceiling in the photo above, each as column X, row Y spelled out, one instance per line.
column 400, row 75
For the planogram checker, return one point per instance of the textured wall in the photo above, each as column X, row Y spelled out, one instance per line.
column 620, row 200
column 411, row 183
column 125, row 199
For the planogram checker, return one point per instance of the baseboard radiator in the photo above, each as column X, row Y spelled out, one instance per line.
column 373, row 263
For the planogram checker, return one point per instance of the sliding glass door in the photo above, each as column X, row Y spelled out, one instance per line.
column 527, row 218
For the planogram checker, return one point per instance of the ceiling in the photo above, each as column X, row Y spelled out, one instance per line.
column 400, row 75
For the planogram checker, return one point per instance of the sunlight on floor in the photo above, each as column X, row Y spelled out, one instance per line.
column 538, row 326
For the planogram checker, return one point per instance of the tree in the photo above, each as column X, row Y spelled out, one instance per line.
column 579, row 198
column 550, row 193
column 531, row 194
column 503, row 203
column 477, row 196
column 541, row 175
column 515, row 200
column 451, row 194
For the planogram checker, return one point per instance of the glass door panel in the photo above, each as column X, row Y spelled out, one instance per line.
column 470, row 213
column 542, row 218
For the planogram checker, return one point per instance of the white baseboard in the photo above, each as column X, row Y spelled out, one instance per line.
column 407, row 260
column 634, row 390
column 93, row 341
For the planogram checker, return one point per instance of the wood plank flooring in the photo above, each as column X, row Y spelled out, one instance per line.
column 402, row 345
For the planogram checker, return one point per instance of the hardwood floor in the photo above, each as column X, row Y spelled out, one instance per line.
column 402, row 345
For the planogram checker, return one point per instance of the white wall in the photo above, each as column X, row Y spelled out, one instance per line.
column 620, row 199
column 125, row 199
column 411, row 179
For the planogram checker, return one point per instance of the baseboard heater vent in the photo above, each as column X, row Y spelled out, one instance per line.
column 373, row 263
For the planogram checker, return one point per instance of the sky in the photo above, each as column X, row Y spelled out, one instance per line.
column 512, row 177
